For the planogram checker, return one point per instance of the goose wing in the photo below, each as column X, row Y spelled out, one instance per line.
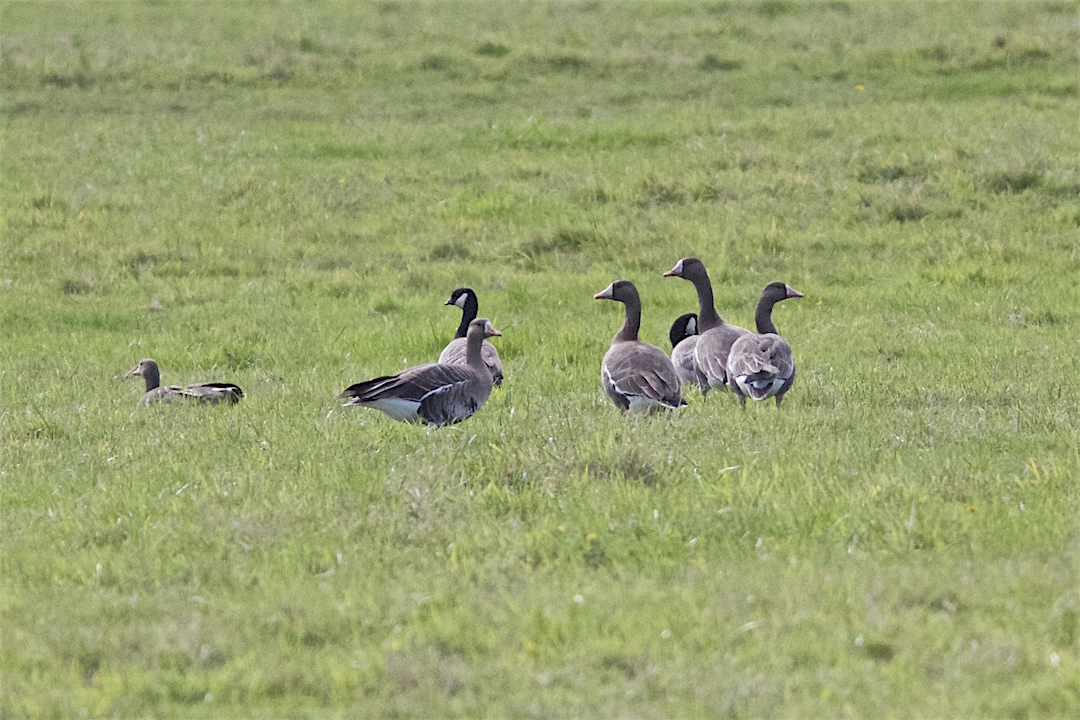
column 683, row 358
column 638, row 375
column 413, row 384
column 761, row 366
column 204, row 393
column 711, row 353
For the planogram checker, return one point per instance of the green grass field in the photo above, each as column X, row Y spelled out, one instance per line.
column 282, row 194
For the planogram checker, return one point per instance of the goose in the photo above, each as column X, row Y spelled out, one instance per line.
column 636, row 375
column 715, row 337
column 148, row 370
column 454, row 353
column 761, row 366
column 437, row 394
column 684, row 340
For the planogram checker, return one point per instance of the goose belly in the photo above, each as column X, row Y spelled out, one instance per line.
column 397, row 408
column 640, row 403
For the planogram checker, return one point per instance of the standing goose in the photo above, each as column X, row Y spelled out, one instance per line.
column 454, row 353
column 715, row 337
column 206, row 393
column 435, row 394
column 635, row 374
column 762, row 366
column 684, row 339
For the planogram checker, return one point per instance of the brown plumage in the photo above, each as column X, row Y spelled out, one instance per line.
column 761, row 366
column 456, row 352
column 436, row 394
column 715, row 337
column 204, row 393
column 636, row 375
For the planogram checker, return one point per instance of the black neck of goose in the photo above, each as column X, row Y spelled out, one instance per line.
column 632, row 321
column 676, row 336
column 152, row 376
column 474, row 340
column 708, row 318
column 468, row 314
column 763, row 316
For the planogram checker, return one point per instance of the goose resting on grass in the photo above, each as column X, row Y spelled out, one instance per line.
column 636, row 375
column 455, row 352
column 205, row 393
column 715, row 337
column 437, row 394
column 761, row 366
column 684, row 339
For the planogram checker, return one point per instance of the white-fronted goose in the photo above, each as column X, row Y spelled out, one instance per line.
column 156, row 392
column 636, row 375
column 435, row 394
column 715, row 337
column 455, row 353
column 762, row 366
column 684, row 340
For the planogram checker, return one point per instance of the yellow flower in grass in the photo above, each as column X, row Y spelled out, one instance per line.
column 859, row 88
column 590, row 536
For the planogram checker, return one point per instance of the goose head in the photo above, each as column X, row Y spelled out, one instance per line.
column 688, row 268
column 619, row 291
column 461, row 297
column 776, row 291
column 683, row 327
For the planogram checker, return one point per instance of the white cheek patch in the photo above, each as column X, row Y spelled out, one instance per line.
column 460, row 302
column 691, row 327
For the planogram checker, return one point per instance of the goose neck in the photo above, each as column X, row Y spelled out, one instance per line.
column 708, row 318
column 763, row 316
column 468, row 314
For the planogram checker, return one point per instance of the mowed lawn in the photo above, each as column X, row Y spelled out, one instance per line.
column 283, row 194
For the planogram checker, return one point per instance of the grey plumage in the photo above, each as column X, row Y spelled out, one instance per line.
column 636, row 375
column 684, row 340
column 715, row 336
column 203, row 393
column 761, row 365
column 436, row 394
column 455, row 352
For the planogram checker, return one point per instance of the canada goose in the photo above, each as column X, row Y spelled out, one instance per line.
column 635, row 374
column 435, row 394
column 715, row 337
column 206, row 393
column 761, row 366
column 684, row 340
column 454, row 353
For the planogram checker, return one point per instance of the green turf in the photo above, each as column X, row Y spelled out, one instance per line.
column 282, row 194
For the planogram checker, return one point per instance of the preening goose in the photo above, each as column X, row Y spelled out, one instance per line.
column 206, row 393
column 715, row 337
column 635, row 374
column 455, row 353
column 762, row 366
column 684, row 339
column 435, row 394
